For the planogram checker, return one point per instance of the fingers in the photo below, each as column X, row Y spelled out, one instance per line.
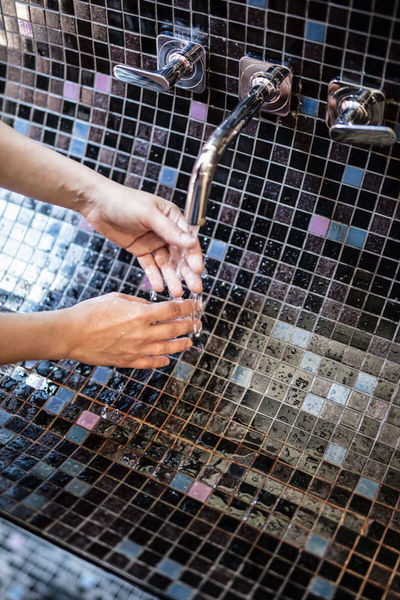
column 193, row 280
column 167, row 347
column 149, row 266
column 169, row 311
column 173, row 329
column 150, row 362
column 168, row 264
column 168, row 222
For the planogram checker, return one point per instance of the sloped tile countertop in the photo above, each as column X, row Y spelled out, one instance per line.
column 263, row 463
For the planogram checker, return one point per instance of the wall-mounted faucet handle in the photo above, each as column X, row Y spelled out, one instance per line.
column 355, row 114
column 179, row 63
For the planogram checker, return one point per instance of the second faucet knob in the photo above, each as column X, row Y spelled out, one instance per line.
column 180, row 63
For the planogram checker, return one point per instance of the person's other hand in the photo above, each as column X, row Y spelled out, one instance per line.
column 151, row 228
column 124, row 331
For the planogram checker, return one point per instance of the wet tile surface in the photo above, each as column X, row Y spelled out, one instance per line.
column 266, row 449
column 264, row 463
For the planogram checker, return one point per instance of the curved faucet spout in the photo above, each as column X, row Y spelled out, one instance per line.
column 265, row 86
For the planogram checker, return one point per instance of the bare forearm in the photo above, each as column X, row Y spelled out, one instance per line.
column 31, row 336
column 31, row 169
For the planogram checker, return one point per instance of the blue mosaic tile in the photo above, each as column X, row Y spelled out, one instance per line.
column 170, row 568
column 168, row 176
column 42, row 470
column 310, row 362
column 77, row 434
column 35, row 501
column 81, row 130
column 21, row 126
column 181, row 482
column 183, row 371
column 300, row 337
column 365, row 383
column 317, row 545
column 366, row 487
column 315, row 32
column 335, row 453
column 353, row 176
column 338, row 393
column 322, row 588
column 309, row 106
column 65, row 394
column 71, row 466
column 129, row 548
column 337, row 231
column 101, row 374
column 313, row 404
column 55, row 404
column 6, row 436
column 77, row 147
column 356, row 237
column 242, row 376
column 282, row 331
column 179, row 591
column 77, row 487
column 4, row 416
column 217, row 249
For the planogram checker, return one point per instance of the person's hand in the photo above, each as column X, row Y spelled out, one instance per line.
column 124, row 331
column 151, row 228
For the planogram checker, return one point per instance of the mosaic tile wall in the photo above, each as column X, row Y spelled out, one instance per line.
column 265, row 462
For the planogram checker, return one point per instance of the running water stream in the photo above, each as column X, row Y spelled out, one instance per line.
column 179, row 264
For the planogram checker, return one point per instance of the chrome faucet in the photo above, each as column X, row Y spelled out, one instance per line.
column 268, row 86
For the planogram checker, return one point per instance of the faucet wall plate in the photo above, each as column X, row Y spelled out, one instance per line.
column 250, row 68
column 355, row 115
column 196, row 80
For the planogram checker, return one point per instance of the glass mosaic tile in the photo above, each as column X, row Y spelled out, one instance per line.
column 264, row 462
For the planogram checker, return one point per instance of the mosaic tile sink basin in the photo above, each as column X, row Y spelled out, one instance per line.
column 263, row 463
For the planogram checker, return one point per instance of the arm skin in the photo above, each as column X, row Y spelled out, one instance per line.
column 114, row 329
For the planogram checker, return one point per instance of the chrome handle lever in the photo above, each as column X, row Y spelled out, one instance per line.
column 180, row 63
column 355, row 115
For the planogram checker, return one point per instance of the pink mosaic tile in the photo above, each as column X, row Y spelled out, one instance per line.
column 71, row 90
column 102, row 82
column 200, row 491
column 146, row 285
column 84, row 224
column 87, row 419
column 318, row 225
column 25, row 28
column 198, row 110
